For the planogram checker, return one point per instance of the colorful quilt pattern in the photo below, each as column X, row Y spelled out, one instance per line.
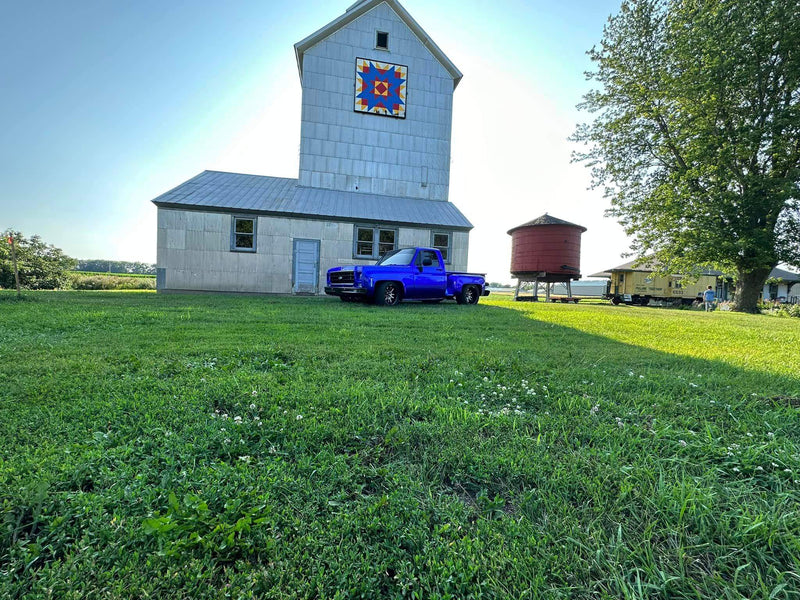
column 381, row 88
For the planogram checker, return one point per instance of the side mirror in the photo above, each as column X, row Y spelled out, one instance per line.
column 427, row 262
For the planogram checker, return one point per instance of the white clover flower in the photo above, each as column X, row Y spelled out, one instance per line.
column 694, row 385
column 736, row 469
column 486, row 379
column 748, row 434
column 595, row 409
column 682, row 443
column 237, row 419
column 298, row 417
column 244, row 458
column 787, row 470
column 759, row 468
column 774, row 465
column 252, row 407
column 770, row 435
column 227, row 441
column 202, row 380
column 254, row 393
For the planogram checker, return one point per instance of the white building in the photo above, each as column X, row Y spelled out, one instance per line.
column 377, row 98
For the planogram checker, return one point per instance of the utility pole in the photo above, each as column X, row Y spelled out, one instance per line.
column 14, row 261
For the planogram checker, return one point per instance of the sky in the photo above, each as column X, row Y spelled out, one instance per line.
column 106, row 104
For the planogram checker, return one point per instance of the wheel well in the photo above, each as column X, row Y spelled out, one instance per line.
column 399, row 283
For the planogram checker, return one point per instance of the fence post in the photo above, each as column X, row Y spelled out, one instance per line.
column 14, row 261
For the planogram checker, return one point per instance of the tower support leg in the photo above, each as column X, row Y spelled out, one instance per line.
column 516, row 293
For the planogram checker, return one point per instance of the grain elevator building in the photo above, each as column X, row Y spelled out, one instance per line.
column 377, row 97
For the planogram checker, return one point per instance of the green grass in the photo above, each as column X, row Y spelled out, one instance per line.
column 508, row 450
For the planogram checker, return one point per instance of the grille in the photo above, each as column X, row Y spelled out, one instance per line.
column 340, row 277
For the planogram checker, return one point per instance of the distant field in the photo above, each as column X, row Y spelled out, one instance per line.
column 107, row 274
column 173, row 446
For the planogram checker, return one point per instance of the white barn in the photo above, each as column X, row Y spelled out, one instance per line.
column 374, row 176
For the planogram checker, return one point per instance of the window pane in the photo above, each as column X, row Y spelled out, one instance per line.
column 244, row 240
column 364, row 235
column 384, row 248
column 387, row 236
column 244, row 225
column 444, row 254
column 441, row 240
column 364, row 248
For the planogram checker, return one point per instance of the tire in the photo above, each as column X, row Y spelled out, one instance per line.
column 388, row 293
column 469, row 294
column 615, row 301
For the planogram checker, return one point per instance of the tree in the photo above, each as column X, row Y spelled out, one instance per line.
column 696, row 134
column 41, row 266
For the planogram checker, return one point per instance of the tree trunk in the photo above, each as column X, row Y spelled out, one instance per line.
column 748, row 287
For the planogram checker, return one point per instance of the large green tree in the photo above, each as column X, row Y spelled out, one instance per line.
column 41, row 266
column 696, row 133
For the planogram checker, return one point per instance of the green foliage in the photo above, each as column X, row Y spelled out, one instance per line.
column 99, row 281
column 695, row 133
column 41, row 266
column 98, row 265
column 205, row 447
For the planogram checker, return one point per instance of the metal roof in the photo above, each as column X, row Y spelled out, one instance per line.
column 360, row 8
column 280, row 196
column 650, row 266
column 546, row 219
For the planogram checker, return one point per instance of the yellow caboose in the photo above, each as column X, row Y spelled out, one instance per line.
column 638, row 285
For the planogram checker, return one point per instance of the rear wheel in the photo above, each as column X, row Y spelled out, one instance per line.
column 388, row 294
column 469, row 295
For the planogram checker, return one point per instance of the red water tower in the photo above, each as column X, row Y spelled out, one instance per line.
column 546, row 250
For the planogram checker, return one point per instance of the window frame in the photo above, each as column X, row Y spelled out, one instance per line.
column 448, row 259
column 234, row 233
column 378, row 33
column 376, row 243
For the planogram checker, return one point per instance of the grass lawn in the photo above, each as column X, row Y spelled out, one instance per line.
column 235, row 447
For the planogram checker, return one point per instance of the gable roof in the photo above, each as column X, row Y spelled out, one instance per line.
column 363, row 7
column 283, row 197
column 546, row 219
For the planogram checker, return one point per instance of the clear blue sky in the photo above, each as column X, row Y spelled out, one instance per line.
column 107, row 104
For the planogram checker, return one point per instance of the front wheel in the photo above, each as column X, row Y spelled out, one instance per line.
column 388, row 294
column 469, row 294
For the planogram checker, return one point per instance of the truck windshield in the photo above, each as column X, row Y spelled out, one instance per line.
column 397, row 257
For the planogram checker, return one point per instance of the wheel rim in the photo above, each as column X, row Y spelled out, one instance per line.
column 470, row 295
column 390, row 295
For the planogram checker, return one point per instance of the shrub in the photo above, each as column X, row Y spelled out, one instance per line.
column 41, row 266
column 110, row 282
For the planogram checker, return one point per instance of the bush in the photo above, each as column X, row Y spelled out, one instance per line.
column 41, row 266
column 79, row 281
column 788, row 310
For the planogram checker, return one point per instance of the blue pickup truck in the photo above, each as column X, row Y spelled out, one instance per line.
column 405, row 274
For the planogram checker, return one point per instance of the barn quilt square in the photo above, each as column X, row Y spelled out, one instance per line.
column 381, row 88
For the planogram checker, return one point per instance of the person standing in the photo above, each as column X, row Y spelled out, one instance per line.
column 708, row 299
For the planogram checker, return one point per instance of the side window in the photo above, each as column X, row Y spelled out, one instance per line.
column 442, row 241
column 373, row 242
column 243, row 234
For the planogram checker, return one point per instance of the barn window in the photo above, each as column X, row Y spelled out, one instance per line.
column 381, row 40
column 243, row 234
column 442, row 241
column 374, row 242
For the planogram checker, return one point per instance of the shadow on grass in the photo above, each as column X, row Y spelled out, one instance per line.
column 464, row 448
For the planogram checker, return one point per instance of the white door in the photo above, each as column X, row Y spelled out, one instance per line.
column 305, row 270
